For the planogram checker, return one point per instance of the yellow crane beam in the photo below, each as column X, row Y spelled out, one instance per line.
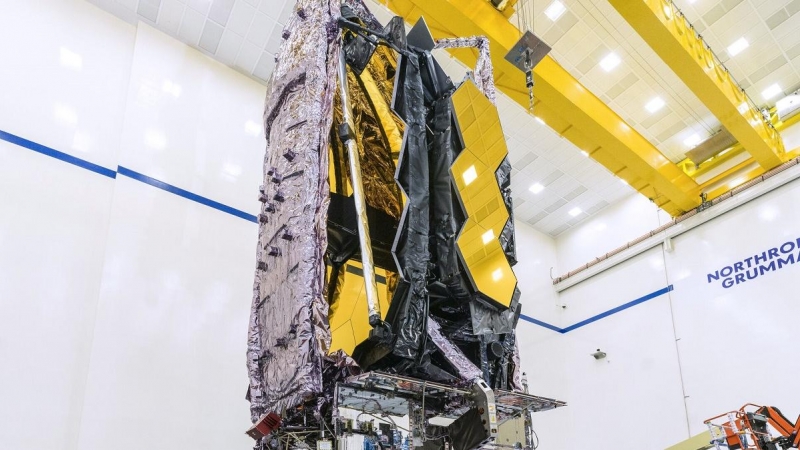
column 561, row 101
column 670, row 35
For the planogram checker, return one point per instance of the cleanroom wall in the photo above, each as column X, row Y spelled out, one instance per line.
column 64, row 75
column 689, row 333
column 123, row 300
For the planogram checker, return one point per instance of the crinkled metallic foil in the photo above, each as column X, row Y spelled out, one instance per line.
column 466, row 369
column 411, row 248
column 444, row 204
column 516, row 373
column 289, row 333
column 507, row 239
column 381, row 69
column 360, row 9
column 374, row 147
column 337, row 367
column 396, row 115
column 483, row 73
column 488, row 320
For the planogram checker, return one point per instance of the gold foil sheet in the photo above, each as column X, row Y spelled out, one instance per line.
column 376, row 146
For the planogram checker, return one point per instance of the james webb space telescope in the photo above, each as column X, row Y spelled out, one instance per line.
column 386, row 240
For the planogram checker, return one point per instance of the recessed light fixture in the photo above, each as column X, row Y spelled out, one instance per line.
column 536, row 188
column 585, row 153
column 654, row 104
column 737, row 47
column 487, row 237
column 610, row 62
column 539, row 119
column 574, row 211
column 771, row 91
column 668, row 10
column 692, row 141
column 470, row 175
column 555, row 10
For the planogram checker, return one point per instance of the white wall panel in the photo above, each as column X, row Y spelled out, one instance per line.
column 167, row 355
column 168, row 359
column 733, row 345
column 536, row 256
column 632, row 399
column 791, row 137
column 614, row 226
column 542, row 359
column 64, row 74
column 193, row 122
column 616, row 401
column 736, row 343
column 628, row 281
column 53, row 227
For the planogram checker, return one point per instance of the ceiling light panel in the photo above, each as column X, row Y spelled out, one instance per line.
column 655, row 104
column 738, row 46
column 555, row 10
column 536, row 188
column 610, row 62
column 627, row 87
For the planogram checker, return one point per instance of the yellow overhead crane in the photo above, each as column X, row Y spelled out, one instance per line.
column 579, row 116
column 561, row 101
column 673, row 39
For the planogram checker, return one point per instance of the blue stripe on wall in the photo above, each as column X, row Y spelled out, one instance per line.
column 540, row 323
column 82, row 163
column 39, row 148
column 185, row 194
column 602, row 315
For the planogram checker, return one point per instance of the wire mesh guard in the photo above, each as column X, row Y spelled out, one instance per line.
column 380, row 393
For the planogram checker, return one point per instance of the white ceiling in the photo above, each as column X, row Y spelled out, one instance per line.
column 591, row 29
column 246, row 33
column 772, row 28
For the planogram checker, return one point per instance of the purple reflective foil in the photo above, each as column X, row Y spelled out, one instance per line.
column 289, row 333
column 363, row 13
column 483, row 73
column 516, row 375
column 465, row 368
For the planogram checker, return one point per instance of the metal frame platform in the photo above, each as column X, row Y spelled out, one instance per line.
column 381, row 393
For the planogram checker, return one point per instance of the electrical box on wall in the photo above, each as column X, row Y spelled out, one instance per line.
column 788, row 106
